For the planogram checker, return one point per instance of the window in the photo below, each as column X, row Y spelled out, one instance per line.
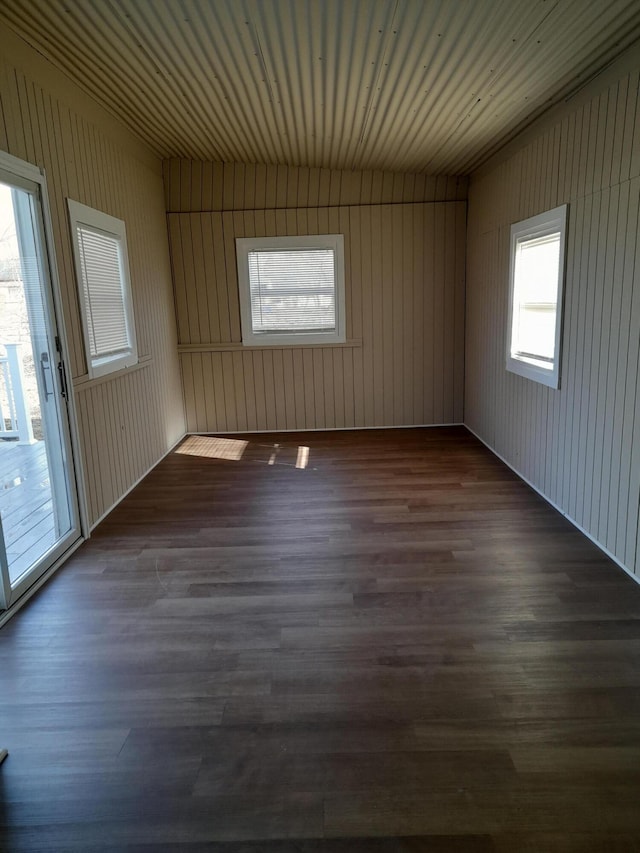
column 291, row 289
column 102, row 271
column 535, row 303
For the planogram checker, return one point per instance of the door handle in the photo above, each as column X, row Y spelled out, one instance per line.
column 44, row 366
column 62, row 373
column 63, row 379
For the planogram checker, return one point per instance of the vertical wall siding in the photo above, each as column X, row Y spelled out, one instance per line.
column 192, row 186
column 579, row 445
column 127, row 422
column 403, row 361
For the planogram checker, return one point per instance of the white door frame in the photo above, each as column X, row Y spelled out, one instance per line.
column 16, row 170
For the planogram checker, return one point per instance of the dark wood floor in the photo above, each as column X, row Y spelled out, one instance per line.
column 398, row 647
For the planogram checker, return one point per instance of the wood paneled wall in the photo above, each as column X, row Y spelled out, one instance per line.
column 403, row 361
column 579, row 445
column 128, row 421
column 192, row 186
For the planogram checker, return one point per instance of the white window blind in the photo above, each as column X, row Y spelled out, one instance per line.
column 291, row 289
column 103, row 291
column 102, row 271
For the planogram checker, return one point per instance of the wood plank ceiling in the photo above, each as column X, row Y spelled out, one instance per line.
column 403, row 85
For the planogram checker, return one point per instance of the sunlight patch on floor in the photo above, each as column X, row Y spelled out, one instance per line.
column 212, row 447
column 234, row 449
column 303, row 457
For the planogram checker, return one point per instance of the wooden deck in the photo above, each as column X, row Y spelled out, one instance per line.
column 397, row 647
column 25, row 504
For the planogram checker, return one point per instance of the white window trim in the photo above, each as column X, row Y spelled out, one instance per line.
column 244, row 245
column 81, row 214
column 549, row 222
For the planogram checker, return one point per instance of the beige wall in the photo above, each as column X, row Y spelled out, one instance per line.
column 404, row 270
column 192, row 186
column 128, row 421
column 580, row 445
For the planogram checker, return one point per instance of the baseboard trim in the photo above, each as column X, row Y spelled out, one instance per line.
column 320, row 429
column 137, row 483
column 558, row 508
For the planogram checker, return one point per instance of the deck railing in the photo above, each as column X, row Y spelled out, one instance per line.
column 15, row 421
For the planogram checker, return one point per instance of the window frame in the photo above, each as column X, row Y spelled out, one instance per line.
column 543, row 224
column 102, row 223
column 244, row 245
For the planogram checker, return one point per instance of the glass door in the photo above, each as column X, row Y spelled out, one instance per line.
column 39, row 517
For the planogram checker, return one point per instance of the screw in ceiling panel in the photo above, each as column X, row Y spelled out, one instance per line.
column 265, row 37
column 306, row 50
column 536, row 43
column 268, row 77
column 223, row 53
column 93, row 36
column 521, row 34
column 352, row 44
column 232, row 107
column 332, row 118
column 404, row 96
column 509, row 28
column 385, row 33
column 297, row 52
column 154, row 28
